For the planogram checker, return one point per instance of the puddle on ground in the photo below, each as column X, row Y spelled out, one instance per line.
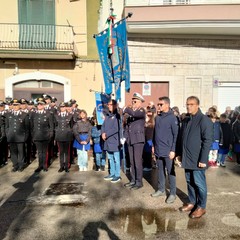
column 143, row 223
column 64, row 188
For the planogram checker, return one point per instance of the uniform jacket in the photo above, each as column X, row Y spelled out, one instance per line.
column 17, row 127
column 196, row 136
column 63, row 127
column 42, row 126
column 112, row 127
column 134, row 131
column 165, row 133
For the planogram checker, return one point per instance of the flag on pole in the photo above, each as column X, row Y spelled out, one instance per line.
column 115, row 65
column 101, row 106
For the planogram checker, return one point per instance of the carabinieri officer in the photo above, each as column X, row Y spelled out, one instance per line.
column 42, row 132
column 63, row 136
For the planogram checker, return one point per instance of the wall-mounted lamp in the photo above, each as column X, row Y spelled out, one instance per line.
column 16, row 70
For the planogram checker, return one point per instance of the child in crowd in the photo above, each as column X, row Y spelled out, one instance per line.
column 212, row 157
column 226, row 140
column 82, row 132
column 100, row 157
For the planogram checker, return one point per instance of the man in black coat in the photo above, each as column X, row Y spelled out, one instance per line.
column 63, row 122
column 42, row 132
column 135, row 138
column 197, row 137
column 17, row 132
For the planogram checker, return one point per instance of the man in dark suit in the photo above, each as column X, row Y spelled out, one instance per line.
column 42, row 132
column 135, row 137
column 17, row 132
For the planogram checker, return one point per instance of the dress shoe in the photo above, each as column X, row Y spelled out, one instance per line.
column 158, row 193
column 129, row 184
column 66, row 170
column 187, row 207
column 197, row 213
column 14, row 169
column 20, row 169
column 38, row 170
column 61, row 169
column 45, row 169
column 171, row 198
column 136, row 187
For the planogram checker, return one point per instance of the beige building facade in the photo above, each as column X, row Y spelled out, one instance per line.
column 177, row 48
column 31, row 66
column 190, row 46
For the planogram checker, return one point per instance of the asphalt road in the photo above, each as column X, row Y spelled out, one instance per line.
column 81, row 205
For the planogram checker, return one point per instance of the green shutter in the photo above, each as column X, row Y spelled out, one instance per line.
column 37, row 24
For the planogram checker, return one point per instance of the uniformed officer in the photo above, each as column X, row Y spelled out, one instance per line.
column 75, row 115
column 17, row 132
column 24, row 105
column 2, row 136
column 24, row 108
column 63, row 136
column 135, row 139
column 54, row 105
column 75, row 109
column 48, row 101
column 31, row 109
column 42, row 131
column 4, row 144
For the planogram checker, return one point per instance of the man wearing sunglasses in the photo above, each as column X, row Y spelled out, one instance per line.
column 164, row 142
column 135, row 139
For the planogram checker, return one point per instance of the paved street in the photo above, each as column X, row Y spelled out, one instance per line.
column 81, row 205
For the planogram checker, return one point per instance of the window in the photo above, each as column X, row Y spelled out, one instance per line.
column 37, row 24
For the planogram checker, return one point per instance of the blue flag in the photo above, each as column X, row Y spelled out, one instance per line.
column 115, row 66
column 101, row 106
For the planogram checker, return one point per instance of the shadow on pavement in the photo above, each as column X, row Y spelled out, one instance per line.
column 91, row 231
column 16, row 203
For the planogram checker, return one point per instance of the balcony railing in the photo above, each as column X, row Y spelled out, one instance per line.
column 36, row 37
column 177, row 2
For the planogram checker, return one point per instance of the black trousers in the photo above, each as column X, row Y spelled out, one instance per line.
column 4, row 149
column 42, row 148
column 1, row 153
column 28, row 146
column 64, row 154
column 17, row 151
column 136, row 168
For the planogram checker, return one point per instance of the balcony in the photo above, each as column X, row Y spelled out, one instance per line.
column 177, row 2
column 36, row 41
column 184, row 17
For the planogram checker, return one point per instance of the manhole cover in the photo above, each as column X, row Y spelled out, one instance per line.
column 64, row 189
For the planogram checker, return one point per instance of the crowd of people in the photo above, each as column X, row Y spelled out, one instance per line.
column 134, row 137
